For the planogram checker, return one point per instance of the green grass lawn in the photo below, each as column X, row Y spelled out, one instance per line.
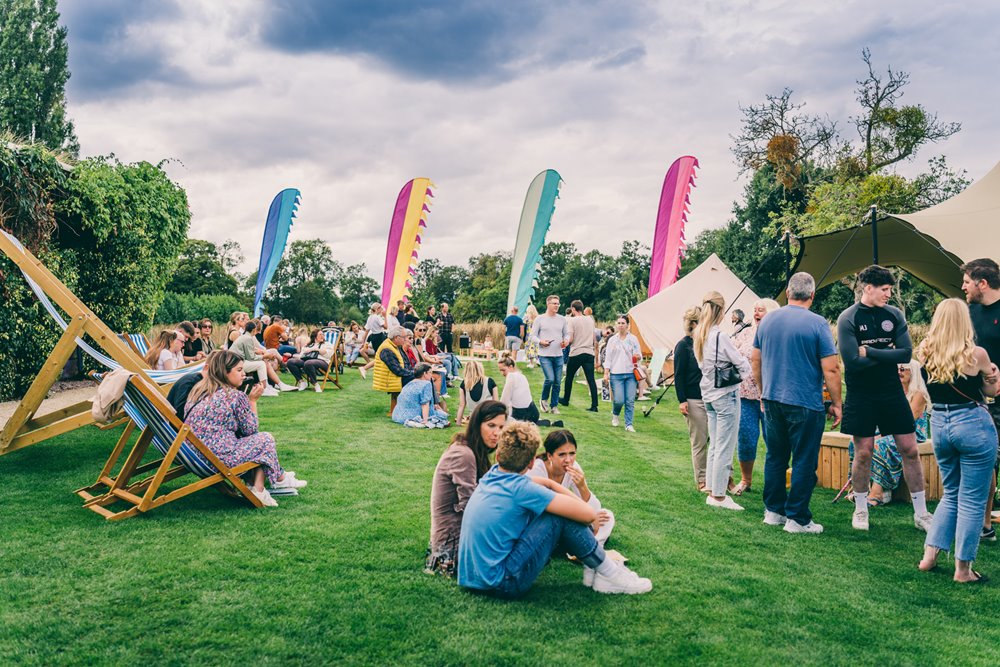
column 335, row 575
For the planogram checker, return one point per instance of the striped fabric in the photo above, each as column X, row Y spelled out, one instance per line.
column 140, row 342
column 332, row 337
column 145, row 414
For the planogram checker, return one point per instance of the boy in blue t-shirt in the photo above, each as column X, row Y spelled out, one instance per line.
column 513, row 523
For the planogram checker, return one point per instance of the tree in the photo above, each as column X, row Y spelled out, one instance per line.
column 33, row 74
column 436, row 283
column 309, row 260
column 489, row 280
column 200, row 271
column 357, row 289
column 311, row 302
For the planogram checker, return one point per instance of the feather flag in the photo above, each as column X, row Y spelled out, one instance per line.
column 536, row 217
column 279, row 220
column 668, row 239
column 409, row 218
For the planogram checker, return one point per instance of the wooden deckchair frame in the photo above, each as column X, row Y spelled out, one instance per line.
column 140, row 493
column 23, row 429
column 334, row 365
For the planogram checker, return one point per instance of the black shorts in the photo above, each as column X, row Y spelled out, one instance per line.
column 886, row 415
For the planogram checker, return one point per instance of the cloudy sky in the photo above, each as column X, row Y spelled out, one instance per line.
column 349, row 99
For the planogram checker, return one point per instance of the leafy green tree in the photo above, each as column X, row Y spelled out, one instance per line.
column 308, row 260
column 489, row 280
column 311, row 302
column 357, row 290
column 33, row 74
column 436, row 283
column 200, row 271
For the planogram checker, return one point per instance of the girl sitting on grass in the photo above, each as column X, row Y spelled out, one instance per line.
column 455, row 478
column 415, row 405
column 558, row 463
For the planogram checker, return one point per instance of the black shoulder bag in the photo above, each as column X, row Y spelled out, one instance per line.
column 727, row 375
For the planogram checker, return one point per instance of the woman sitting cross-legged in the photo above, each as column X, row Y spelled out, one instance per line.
column 226, row 421
column 461, row 466
column 312, row 362
column 517, row 395
column 476, row 388
column 415, row 405
column 558, row 463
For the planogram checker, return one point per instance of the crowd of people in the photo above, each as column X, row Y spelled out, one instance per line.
column 779, row 376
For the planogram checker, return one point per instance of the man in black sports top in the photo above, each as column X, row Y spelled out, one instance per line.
column 873, row 339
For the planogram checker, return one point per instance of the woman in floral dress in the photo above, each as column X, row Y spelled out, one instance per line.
column 225, row 419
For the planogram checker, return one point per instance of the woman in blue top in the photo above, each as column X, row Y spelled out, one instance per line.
column 415, row 405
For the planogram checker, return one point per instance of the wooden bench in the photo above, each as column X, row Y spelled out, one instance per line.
column 834, row 467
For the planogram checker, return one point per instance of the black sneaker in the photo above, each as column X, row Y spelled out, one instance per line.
column 988, row 535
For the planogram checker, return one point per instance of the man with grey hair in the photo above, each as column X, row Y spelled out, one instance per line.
column 793, row 354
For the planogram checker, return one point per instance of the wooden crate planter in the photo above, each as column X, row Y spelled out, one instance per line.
column 834, row 467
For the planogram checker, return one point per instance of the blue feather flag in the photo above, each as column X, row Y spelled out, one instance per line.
column 279, row 221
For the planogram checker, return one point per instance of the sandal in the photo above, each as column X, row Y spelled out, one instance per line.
column 980, row 579
column 740, row 488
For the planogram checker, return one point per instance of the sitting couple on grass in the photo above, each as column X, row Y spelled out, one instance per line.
column 513, row 524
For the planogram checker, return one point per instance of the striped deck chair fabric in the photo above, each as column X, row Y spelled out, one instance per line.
column 333, row 337
column 139, row 342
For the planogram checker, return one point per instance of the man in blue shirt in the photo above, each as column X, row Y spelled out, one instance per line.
column 514, row 333
column 793, row 353
column 514, row 523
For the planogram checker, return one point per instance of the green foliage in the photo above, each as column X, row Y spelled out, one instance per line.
column 484, row 296
column 358, row 291
column 31, row 177
column 179, row 307
column 33, row 74
column 436, row 283
column 311, row 302
column 200, row 270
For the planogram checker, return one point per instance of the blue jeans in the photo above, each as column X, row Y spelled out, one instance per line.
column 623, row 388
column 351, row 352
column 552, row 368
column 286, row 349
column 534, row 548
column 792, row 432
column 965, row 444
column 450, row 362
column 723, row 431
column 750, row 421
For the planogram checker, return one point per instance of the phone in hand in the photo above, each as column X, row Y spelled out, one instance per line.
column 248, row 385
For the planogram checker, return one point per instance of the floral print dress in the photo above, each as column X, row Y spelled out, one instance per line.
column 228, row 426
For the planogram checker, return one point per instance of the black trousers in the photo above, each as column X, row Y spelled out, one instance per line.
column 446, row 342
column 586, row 362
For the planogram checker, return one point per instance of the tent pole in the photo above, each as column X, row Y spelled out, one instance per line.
column 874, row 219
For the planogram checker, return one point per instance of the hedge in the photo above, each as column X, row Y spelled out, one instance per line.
column 179, row 307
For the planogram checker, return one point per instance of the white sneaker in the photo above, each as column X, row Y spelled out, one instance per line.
column 318, row 387
column 630, row 428
column 264, row 497
column 285, row 387
column 792, row 526
column 554, row 411
column 269, row 391
column 614, row 420
column 289, row 482
column 860, row 520
column 302, row 385
column 545, row 408
column 588, row 576
column 774, row 519
column 726, row 503
column 364, row 373
column 923, row 521
column 622, row 580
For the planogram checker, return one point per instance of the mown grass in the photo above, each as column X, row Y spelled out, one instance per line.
column 335, row 574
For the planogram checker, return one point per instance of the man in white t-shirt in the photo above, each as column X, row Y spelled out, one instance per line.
column 552, row 333
column 582, row 352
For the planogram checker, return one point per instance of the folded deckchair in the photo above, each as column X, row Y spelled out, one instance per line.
column 333, row 337
column 23, row 428
column 183, row 453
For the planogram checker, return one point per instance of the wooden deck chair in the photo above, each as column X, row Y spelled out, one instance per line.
column 24, row 429
column 334, row 338
column 183, row 453
column 138, row 342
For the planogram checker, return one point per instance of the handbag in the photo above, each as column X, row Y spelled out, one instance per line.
column 310, row 355
column 727, row 375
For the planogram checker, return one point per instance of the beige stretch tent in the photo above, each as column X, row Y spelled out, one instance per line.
column 657, row 320
column 930, row 244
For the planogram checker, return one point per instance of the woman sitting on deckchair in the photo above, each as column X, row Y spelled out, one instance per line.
column 165, row 353
column 226, row 421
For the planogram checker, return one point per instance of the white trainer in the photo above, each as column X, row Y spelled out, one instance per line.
column 923, row 521
column 364, row 373
column 289, row 482
column 269, row 391
column 302, row 385
column 630, row 428
column 286, row 387
column 545, row 408
column 726, row 503
column 774, row 519
column 554, row 411
column 622, row 580
column 318, row 387
column 588, row 576
column 614, row 420
column 264, row 497
column 793, row 526
column 860, row 520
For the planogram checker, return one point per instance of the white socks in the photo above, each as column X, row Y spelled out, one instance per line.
column 607, row 567
column 919, row 503
column 861, row 502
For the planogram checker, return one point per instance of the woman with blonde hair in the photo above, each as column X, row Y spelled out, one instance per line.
column 959, row 376
column 234, row 330
column 722, row 370
column 476, row 388
column 163, row 353
column 531, row 342
column 751, row 418
column 687, row 384
column 225, row 419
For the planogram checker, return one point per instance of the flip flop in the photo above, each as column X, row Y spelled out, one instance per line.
column 980, row 579
column 740, row 488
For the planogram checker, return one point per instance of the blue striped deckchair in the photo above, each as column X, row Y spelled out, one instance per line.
column 183, row 453
column 333, row 337
column 138, row 342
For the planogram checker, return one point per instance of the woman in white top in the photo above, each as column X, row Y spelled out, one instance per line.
column 516, row 393
column 716, row 353
column 163, row 354
column 558, row 463
column 476, row 388
column 621, row 356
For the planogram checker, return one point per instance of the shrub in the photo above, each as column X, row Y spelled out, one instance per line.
column 178, row 307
